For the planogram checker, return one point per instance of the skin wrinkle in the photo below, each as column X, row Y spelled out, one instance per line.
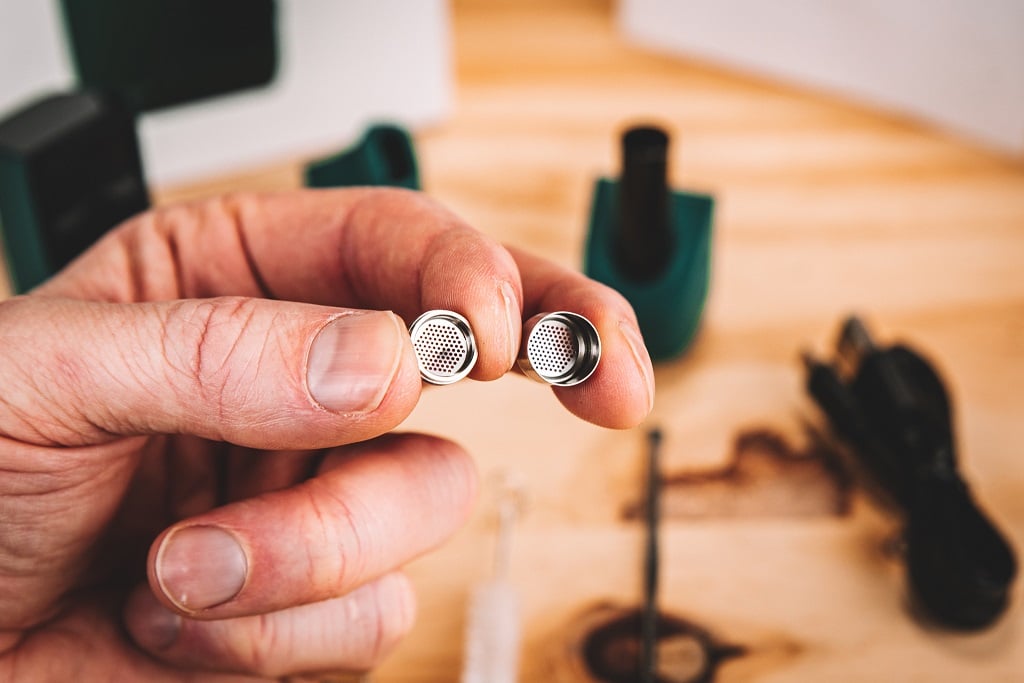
column 70, row 430
column 172, row 223
column 145, row 244
column 379, row 646
column 72, row 418
column 322, row 526
column 116, row 285
column 136, row 267
column 196, row 225
column 173, row 363
column 224, row 367
column 128, row 245
column 61, row 575
column 178, row 322
column 56, row 482
column 343, row 572
column 344, row 218
column 350, row 251
column 137, row 378
column 274, row 337
column 204, row 311
column 20, row 416
column 281, row 642
column 232, row 206
column 161, row 228
column 209, row 366
column 244, row 383
column 236, row 653
column 13, row 410
column 174, row 255
column 348, row 284
column 351, row 286
column 45, row 462
column 27, row 376
column 21, row 545
column 71, row 424
column 184, row 321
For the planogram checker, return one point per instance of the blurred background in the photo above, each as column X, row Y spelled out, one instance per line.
column 952, row 64
column 860, row 157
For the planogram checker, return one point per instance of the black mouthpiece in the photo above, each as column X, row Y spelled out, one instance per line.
column 643, row 237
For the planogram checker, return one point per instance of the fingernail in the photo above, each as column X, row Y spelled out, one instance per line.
column 200, row 566
column 643, row 363
column 152, row 625
column 512, row 319
column 353, row 360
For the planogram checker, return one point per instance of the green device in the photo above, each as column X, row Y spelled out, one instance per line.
column 652, row 244
column 384, row 155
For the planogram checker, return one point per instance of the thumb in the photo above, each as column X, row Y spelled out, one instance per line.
column 254, row 372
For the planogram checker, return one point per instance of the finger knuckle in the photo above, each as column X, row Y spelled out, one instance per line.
column 47, row 382
column 393, row 614
column 338, row 554
column 269, row 645
column 455, row 476
column 208, row 345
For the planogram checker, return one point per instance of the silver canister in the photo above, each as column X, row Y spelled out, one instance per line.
column 445, row 347
column 560, row 348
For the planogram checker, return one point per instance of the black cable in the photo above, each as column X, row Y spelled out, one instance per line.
column 649, row 622
column 892, row 408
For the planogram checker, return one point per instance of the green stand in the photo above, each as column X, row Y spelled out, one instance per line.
column 383, row 156
column 668, row 308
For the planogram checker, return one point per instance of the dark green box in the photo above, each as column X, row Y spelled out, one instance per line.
column 69, row 171
column 158, row 53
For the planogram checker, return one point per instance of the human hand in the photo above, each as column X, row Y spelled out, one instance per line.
column 169, row 405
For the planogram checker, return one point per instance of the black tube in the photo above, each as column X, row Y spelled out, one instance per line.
column 643, row 238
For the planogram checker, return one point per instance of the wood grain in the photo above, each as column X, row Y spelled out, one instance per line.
column 823, row 208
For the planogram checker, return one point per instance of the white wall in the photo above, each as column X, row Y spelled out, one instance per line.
column 955, row 63
column 343, row 64
column 32, row 54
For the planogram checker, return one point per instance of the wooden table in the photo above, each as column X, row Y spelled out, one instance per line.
column 823, row 208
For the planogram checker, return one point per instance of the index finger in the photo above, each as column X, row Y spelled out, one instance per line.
column 367, row 248
column 375, row 248
column 620, row 393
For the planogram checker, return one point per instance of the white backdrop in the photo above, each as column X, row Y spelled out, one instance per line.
column 342, row 65
column 955, row 63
